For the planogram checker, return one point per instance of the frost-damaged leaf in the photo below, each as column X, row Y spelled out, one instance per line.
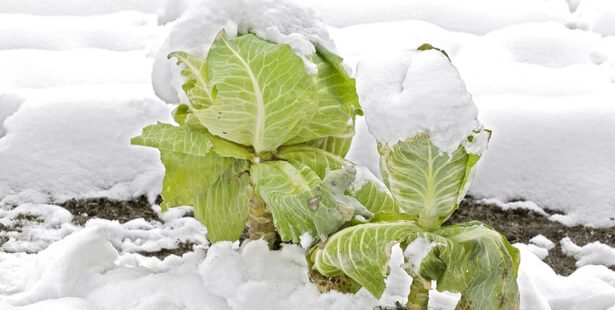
column 264, row 94
column 362, row 252
column 427, row 183
column 337, row 99
column 300, row 201
column 197, row 86
column 224, row 207
column 319, row 160
column 478, row 262
column 167, row 137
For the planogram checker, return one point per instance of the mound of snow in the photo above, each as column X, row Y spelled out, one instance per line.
column 590, row 287
column 416, row 92
column 75, row 141
column 9, row 103
column 474, row 16
column 536, row 43
column 358, row 41
column 118, row 31
column 167, row 10
column 281, row 22
column 555, row 152
column 31, row 68
column 595, row 253
column 597, row 16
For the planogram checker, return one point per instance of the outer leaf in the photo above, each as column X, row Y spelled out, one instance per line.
column 319, row 160
column 362, row 252
column 338, row 145
column 264, row 94
column 224, row 207
column 372, row 193
column 197, row 86
column 478, row 262
column 337, row 99
column 299, row 201
column 171, row 138
column 427, row 182
column 180, row 113
column 188, row 175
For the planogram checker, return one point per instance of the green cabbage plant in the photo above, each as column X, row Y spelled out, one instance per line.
column 256, row 140
column 423, row 188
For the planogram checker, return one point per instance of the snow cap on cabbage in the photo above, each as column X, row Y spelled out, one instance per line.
column 282, row 22
column 418, row 92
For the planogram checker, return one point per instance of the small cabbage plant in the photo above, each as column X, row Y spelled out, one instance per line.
column 423, row 188
column 256, row 139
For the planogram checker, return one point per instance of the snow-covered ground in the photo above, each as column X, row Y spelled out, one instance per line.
column 76, row 84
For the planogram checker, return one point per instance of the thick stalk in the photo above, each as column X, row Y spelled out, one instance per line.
column 260, row 223
column 419, row 293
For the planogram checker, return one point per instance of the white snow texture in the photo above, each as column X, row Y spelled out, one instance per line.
column 78, row 78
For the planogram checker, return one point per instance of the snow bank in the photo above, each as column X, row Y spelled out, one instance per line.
column 364, row 40
column 31, row 68
column 75, row 142
column 167, row 10
column 62, row 267
column 555, row 152
column 415, row 92
column 590, row 287
column 597, row 16
column 474, row 16
column 43, row 224
column 535, row 43
column 9, row 103
column 281, row 22
column 595, row 253
column 118, row 31
column 85, row 267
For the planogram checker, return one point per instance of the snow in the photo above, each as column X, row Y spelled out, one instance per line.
column 281, row 22
column 116, row 31
column 473, row 16
column 415, row 253
column 542, row 241
column 542, row 150
column 75, row 142
column 534, row 156
column 34, row 68
column 86, row 267
column 589, row 287
column 75, row 85
column 540, row 246
column 167, row 10
column 595, row 253
column 597, row 16
column 415, row 92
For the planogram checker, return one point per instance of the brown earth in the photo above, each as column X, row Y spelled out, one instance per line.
column 520, row 225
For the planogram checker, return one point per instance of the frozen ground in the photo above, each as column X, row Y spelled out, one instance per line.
column 75, row 85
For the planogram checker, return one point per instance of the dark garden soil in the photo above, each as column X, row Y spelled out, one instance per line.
column 520, row 225
column 122, row 211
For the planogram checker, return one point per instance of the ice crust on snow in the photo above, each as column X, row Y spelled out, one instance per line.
column 281, row 22
column 416, row 92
